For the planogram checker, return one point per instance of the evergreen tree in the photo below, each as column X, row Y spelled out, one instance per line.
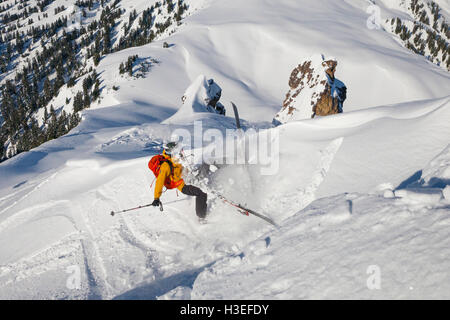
column 96, row 58
column 48, row 90
column 86, row 100
column 96, row 91
column 78, row 102
column 52, row 128
column 71, row 82
column 46, row 116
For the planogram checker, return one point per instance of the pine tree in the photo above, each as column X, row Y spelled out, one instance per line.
column 62, row 124
column 71, row 82
column 86, row 100
column 48, row 90
column 59, row 79
column 96, row 91
column 78, row 102
column 46, row 116
column 74, row 120
column 52, row 128
column 106, row 39
column 96, row 58
column 36, row 134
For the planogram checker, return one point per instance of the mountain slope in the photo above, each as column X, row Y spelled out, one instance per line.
column 56, row 220
column 284, row 32
column 343, row 185
column 335, row 248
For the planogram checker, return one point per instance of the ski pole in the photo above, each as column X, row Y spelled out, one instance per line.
column 140, row 207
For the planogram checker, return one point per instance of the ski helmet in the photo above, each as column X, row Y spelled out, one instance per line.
column 169, row 147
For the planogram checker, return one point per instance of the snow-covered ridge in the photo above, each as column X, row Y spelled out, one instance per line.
column 237, row 62
column 354, row 192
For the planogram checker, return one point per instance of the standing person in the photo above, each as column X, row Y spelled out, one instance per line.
column 168, row 174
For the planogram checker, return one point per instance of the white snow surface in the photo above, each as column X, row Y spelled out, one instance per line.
column 354, row 192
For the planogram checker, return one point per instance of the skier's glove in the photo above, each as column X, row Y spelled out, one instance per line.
column 156, row 203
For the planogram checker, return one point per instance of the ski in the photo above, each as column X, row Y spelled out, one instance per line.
column 246, row 211
column 236, row 116
column 256, row 214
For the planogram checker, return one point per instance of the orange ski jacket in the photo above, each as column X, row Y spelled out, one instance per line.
column 168, row 177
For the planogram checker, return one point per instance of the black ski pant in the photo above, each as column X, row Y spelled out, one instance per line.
column 200, row 201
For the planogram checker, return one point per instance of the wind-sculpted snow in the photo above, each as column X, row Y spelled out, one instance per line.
column 253, row 69
column 56, row 224
column 329, row 249
column 347, row 192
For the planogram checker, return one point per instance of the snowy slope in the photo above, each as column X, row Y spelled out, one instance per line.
column 253, row 68
column 334, row 195
column 58, row 219
column 330, row 250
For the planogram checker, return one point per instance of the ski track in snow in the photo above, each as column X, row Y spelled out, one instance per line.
column 8, row 220
column 300, row 197
column 327, row 155
column 94, row 264
column 90, row 248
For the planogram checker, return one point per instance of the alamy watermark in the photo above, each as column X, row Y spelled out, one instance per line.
column 374, row 280
column 374, row 20
column 231, row 146
column 73, row 282
column 75, row 19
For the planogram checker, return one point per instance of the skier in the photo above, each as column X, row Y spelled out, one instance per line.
column 168, row 174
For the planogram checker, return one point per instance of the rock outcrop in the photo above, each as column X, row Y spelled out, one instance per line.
column 314, row 91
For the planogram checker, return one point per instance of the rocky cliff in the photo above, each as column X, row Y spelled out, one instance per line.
column 313, row 91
